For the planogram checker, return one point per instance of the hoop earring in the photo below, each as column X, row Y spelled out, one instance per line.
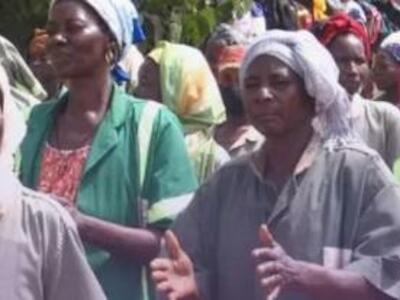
column 110, row 57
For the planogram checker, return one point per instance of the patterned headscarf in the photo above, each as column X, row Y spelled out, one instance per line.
column 190, row 90
column 342, row 24
column 188, row 87
column 302, row 52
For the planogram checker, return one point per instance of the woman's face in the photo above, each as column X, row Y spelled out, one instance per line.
column 149, row 86
column 349, row 54
column 77, row 42
column 275, row 99
column 385, row 71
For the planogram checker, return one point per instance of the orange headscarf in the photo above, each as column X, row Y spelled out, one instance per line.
column 38, row 44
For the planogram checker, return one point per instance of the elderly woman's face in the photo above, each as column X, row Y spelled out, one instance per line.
column 275, row 99
column 77, row 42
column 385, row 71
column 149, row 86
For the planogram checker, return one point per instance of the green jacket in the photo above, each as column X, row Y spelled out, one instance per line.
column 109, row 184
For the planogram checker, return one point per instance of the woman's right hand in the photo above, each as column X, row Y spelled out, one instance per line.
column 174, row 276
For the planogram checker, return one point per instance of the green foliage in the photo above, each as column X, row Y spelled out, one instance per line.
column 18, row 18
column 186, row 21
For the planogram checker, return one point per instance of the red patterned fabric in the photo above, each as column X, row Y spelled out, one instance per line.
column 341, row 24
column 61, row 171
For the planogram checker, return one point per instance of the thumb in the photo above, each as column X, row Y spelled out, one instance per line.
column 265, row 236
column 173, row 246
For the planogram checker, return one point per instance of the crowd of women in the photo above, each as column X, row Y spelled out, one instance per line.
column 262, row 166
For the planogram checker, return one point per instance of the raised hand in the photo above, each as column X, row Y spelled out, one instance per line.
column 275, row 269
column 174, row 276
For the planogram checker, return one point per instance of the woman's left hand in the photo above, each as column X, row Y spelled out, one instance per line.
column 275, row 269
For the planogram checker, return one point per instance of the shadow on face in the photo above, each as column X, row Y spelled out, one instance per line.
column 78, row 40
column 149, row 86
column 385, row 71
column 275, row 98
column 349, row 54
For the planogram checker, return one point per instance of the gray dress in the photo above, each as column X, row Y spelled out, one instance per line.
column 378, row 125
column 340, row 209
column 41, row 254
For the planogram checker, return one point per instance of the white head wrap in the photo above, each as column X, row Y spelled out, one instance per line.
column 121, row 18
column 302, row 52
column 14, row 127
column 393, row 38
column 391, row 44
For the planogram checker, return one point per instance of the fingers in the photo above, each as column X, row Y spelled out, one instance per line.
column 274, row 294
column 164, row 287
column 172, row 244
column 263, row 254
column 271, row 283
column 268, row 269
column 265, row 236
column 161, row 264
column 159, row 276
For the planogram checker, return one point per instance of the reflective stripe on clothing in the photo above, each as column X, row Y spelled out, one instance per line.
column 109, row 185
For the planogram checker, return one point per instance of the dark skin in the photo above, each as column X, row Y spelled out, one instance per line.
column 349, row 54
column 227, row 133
column 149, row 86
column 279, row 107
column 77, row 47
column 385, row 73
column 44, row 72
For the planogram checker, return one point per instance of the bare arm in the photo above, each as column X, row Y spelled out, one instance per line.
column 277, row 271
column 142, row 245
column 330, row 284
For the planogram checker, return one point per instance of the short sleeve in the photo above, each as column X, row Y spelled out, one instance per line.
column 67, row 273
column 170, row 180
column 392, row 124
column 376, row 253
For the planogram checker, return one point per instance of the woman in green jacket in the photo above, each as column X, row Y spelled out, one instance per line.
column 117, row 164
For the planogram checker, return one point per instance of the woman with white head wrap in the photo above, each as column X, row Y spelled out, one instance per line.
column 386, row 69
column 312, row 215
column 309, row 60
column 117, row 163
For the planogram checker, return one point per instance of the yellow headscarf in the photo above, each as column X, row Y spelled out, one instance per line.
column 190, row 90
column 319, row 10
column 188, row 86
